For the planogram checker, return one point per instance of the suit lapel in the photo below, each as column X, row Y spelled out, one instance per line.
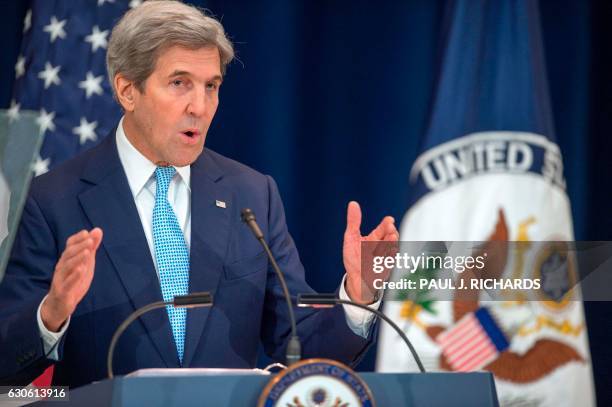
column 210, row 225
column 109, row 204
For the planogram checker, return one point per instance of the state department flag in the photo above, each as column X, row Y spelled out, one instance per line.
column 489, row 162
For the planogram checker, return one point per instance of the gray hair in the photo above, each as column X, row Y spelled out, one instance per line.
column 144, row 32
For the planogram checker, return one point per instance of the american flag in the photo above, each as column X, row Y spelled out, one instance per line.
column 61, row 74
column 473, row 342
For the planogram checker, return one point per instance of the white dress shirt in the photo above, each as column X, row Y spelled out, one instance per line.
column 140, row 173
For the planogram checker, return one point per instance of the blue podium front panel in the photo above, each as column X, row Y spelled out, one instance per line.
column 389, row 389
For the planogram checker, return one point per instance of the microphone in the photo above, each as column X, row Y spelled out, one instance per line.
column 330, row 300
column 194, row 300
column 294, row 348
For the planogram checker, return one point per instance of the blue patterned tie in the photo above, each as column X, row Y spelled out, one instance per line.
column 171, row 254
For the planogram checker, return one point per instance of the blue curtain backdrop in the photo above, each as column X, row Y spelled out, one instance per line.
column 331, row 99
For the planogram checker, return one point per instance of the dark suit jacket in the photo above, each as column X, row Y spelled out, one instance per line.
column 92, row 190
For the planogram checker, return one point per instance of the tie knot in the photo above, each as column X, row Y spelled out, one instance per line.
column 164, row 176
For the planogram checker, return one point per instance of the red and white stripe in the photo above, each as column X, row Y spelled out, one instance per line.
column 467, row 345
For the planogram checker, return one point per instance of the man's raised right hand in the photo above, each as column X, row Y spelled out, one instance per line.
column 71, row 278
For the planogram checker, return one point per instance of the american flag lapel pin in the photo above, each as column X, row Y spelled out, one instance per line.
column 220, row 204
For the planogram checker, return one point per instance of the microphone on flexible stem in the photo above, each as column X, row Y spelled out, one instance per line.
column 330, row 300
column 294, row 349
column 194, row 300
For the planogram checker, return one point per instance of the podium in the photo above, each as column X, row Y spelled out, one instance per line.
column 389, row 389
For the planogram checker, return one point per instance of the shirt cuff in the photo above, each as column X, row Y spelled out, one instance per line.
column 358, row 319
column 50, row 339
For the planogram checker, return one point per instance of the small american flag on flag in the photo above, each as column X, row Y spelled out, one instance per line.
column 472, row 343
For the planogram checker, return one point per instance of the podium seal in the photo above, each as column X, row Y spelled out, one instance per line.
column 317, row 383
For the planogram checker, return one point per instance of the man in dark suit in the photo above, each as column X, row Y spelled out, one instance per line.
column 149, row 214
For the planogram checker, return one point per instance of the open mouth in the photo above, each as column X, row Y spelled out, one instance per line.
column 190, row 133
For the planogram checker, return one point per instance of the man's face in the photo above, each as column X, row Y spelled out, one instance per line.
column 170, row 118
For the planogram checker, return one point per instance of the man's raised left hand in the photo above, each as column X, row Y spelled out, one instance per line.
column 359, row 284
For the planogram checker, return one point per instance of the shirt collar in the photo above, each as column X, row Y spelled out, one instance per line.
column 137, row 167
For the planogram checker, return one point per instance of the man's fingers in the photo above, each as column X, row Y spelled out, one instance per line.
column 77, row 237
column 391, row 233
column 82, row 240
column 96, row 234
column 78, row 256
column 67, row 267
column 390, row 225
column 387, row 225
column 353, row 218
column 75, row 249
column 391, row 237
column 79, row 273
column 380, row 249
